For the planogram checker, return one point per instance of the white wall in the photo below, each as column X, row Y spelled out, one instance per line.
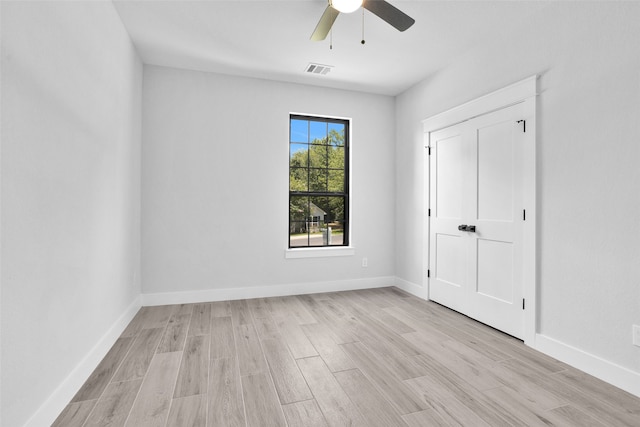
column 215, row 183
column 71, row 99
column 588, row 166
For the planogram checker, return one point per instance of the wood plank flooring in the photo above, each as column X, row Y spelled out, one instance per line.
column 376, row 357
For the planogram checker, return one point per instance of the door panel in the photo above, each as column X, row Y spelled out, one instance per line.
column 495, row 172
column 450, row 254
column 449, row 176
column 495, row 270
column 475, row 180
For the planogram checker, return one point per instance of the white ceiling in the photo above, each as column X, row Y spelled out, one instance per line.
column 270, row 39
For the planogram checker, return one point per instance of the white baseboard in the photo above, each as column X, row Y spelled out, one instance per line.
column 53, row 406
column 605, row 370
column 412, row 288
column 225, row 294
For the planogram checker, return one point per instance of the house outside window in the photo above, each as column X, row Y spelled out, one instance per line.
column 318, row 182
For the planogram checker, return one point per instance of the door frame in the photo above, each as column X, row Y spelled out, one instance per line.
column 523, row 92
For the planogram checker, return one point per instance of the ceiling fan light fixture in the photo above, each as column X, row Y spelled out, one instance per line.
column 346, row 6
column 381, row 8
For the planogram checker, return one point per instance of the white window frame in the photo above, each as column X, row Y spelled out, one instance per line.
column 323, row 252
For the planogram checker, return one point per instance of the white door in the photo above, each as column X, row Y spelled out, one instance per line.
column 476, row 219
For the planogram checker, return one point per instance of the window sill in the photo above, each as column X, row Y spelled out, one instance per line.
column 319, row 252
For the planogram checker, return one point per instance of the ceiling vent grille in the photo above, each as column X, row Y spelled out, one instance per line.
column 318, row 69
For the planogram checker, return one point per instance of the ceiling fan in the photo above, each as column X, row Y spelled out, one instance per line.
column 384, row 10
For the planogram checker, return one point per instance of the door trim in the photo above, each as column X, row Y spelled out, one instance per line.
column 524, row 92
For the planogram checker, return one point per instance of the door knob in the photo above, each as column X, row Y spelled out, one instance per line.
column 469, row 228
column 462, row 227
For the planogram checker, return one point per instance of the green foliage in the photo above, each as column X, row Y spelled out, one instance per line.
column 319, row 167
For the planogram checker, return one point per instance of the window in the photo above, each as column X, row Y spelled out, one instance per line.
column 318, row 182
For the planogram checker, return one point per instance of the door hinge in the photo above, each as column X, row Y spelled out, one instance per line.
column 524, row 124
column 429, row 212
column 428, row 273
column 523, row 303
column 524, row 214
column 429, row 149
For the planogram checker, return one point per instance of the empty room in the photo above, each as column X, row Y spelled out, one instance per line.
column 319, row 213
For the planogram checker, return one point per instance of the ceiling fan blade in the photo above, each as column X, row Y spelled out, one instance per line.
column 389, row 13
column 324, row 25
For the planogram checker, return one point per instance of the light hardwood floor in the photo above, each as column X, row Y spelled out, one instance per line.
column 376, row 357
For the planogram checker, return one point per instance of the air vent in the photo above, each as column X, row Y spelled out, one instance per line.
column 318, row 69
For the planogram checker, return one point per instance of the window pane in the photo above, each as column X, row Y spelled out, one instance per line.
column 319, row 206
column 318, row 179
column 335, row 231
column 298, row 237
column 298, row 179
column 317, row 238
column 336, row 181
column 298, row 208
column 299, row 131
column 336, row 157
column 298, row 155
column 336, row 134
column 318, row 132
column 317, row 228
column 318, row 156
column 333, row 207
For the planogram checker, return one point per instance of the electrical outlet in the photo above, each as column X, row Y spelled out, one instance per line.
column 636, row 335
column 365, row 262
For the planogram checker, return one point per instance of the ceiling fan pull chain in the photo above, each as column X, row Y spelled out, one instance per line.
column 362, row 26
column 331, row 39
